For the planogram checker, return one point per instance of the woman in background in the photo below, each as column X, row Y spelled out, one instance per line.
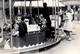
column 68, row 24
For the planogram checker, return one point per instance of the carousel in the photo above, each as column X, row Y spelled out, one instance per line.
column 35, row 36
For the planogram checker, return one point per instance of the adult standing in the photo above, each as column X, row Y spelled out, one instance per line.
column 68, row 23
column 48, row 23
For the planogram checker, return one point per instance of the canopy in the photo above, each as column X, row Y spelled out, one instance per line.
column 71, row 2
column 22, row 3
column 53, row 3
column 26, row 0
column 39, row 3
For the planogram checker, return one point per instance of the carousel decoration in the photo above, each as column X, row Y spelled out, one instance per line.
column 1, row 23
column 35, row 38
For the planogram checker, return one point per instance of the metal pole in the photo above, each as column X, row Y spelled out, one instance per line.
column 58, row 14
column 25, row 7
column 55, row 20
column 38, row 17
column 58, row 17
column 13, row 12
column 30, row 8
column 52, row 8
column 38, row 7
column 10, row 12
column 4, row 10
column 74, row 12
column 2, row 19
column 13, row 8
column 19, row 11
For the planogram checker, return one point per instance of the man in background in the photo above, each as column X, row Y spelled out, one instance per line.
column 48, row 23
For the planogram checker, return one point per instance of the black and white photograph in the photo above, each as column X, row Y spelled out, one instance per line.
column 39, row 27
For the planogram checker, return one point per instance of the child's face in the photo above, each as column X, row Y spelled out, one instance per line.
column 18, row 19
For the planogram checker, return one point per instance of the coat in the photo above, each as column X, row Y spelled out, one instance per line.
column 68, row 22
column 22, row 29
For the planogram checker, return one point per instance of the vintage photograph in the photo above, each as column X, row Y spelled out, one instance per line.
column 39, row 26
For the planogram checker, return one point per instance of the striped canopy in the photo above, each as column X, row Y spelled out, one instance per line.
column 39, row 3
column 71, row 2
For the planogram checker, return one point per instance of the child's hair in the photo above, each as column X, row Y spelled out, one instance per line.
column 22, row 18
column 17, row 17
